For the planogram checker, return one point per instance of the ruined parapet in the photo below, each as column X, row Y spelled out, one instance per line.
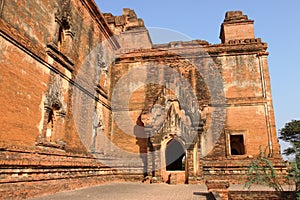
column 127, row 21
column 236, row 26
column 219, row 188
column 130, row 29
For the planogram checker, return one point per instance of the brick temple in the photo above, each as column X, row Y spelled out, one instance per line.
column 87, row 98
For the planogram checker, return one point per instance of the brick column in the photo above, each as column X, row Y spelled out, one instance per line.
column 59, row 127
column 156, row 163
column 148, row 167
column 47, row 111
column 190, row 161
column 198, row 128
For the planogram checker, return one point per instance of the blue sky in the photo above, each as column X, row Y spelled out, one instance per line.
column 276, row 22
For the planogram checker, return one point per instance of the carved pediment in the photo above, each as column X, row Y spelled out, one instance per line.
column 171, row 120
column 54, row 98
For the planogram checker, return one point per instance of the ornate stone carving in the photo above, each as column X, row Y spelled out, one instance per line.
column 62, row 42
column 54, row 98
column 63, row 17
column 55, row 111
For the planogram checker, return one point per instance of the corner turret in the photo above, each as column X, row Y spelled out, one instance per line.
column 236, row 26
column 130, row 30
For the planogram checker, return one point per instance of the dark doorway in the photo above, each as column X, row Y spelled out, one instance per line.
column 237, row 145
column 175, row 155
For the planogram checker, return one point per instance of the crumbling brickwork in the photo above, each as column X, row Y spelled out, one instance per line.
column 87, row 98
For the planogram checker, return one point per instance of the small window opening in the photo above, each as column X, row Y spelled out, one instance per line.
column 60, row 37
column 237, row 146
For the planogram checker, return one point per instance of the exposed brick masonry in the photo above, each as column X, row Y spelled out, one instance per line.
column 58, row 128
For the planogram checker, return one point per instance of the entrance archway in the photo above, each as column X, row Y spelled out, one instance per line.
column 175, row 155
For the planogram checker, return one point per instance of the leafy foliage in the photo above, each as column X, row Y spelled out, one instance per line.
column 291, row 133
column 261, row 171
column 293, row 176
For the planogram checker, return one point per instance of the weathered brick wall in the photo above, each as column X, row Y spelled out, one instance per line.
column 247, row 90
column 41, row 69
column 22, row 86
column 261, row 195
column 29, row 70
column 126, row 111
column 249, row 109
column 143, row 98
column 247, row 84
column 247, row 95
column 241, row 75
column 26, row 16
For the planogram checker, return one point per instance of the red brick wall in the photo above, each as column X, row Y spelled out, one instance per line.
column 28, row 67
column 23, row 81
column 27, row 70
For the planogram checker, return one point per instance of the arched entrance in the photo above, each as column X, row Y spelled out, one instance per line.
column 175, row 155
column 173, row 148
